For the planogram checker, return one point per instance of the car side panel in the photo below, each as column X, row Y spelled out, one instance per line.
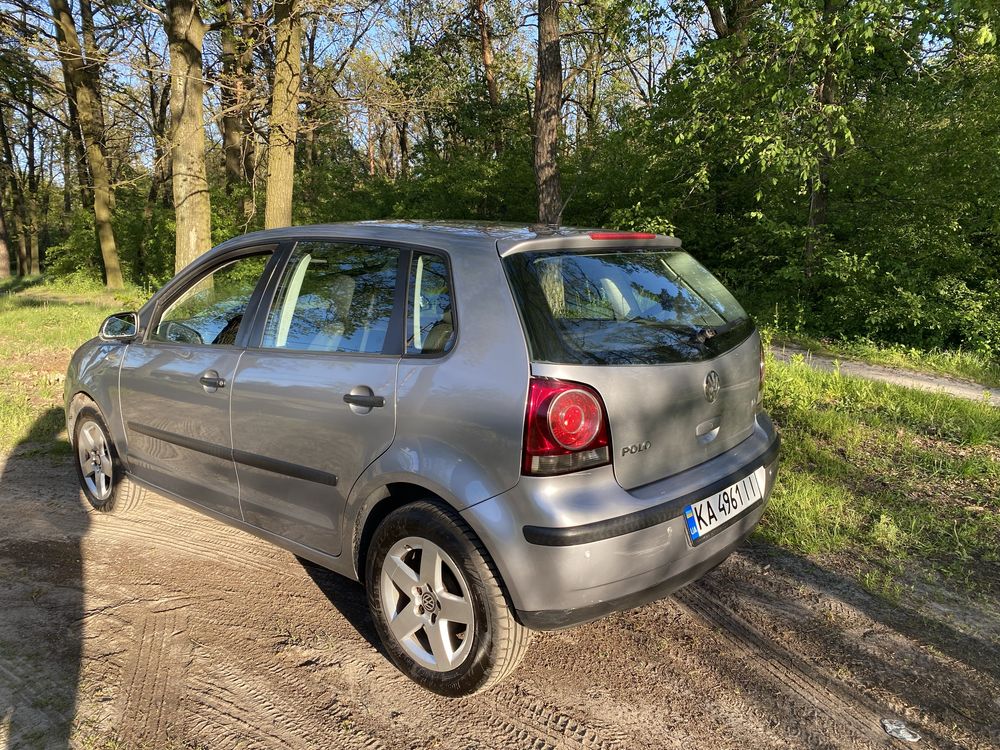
column 460, row 417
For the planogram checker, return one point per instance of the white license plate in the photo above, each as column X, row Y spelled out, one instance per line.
column 705, row 516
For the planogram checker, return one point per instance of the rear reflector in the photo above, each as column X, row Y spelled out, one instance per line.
column 622, row 236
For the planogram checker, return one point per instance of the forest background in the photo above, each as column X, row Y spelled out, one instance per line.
column 836, row 162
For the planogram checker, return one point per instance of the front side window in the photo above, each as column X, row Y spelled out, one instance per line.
column 334, row 297
column 212, row 309
column 624, row 307
column 430, row 325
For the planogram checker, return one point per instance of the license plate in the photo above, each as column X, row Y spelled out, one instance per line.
column 712, row 513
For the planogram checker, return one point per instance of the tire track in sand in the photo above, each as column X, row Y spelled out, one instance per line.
column 153, row 679
column 786, row 676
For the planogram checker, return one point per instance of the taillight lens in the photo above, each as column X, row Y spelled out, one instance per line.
column 565, row 428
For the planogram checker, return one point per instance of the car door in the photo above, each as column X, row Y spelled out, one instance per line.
column 176, row 382
column 314, row 403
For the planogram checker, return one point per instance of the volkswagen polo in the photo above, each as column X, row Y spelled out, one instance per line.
column 496, row 429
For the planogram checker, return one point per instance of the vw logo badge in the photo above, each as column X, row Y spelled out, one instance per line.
column 713, row 384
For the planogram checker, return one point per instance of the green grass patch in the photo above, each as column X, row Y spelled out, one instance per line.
column 895, row 477
column 40, row 326
column 959, row 363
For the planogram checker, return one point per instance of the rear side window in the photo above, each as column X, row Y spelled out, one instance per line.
column 624, row 307
column 430, row 323
column 334, row 297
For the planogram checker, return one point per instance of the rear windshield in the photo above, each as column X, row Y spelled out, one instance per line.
column 623, row 307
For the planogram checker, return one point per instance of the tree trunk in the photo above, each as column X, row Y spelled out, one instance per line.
column 31, row 194
column 489, row 71
column 80, row 151
column 249, row 135
column 81, row 86
column 4, row 236
column 232, row 130
column 730, row 18
column 192, row 202
column 403, row 131
column 67, row 190
column 284, row 114
column 548, row 105
column 14, row 184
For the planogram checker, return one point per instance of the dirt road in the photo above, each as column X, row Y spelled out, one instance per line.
column 164, row 629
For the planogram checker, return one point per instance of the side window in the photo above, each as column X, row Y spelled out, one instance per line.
column 211, row 310
column 430, row 327
column 334, row 297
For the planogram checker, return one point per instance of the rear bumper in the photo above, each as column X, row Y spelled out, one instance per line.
column 560, row 573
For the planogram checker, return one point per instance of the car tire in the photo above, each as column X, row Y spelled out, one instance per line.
column 99, row 468
column 421, row 611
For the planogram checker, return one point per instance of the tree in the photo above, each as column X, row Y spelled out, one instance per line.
column 192, row 201
column 547, row 114
column 237, row 36
column 81, row 80
column 4, row 234
column 284, row 121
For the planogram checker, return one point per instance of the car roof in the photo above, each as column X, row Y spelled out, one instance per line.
column 450, row 235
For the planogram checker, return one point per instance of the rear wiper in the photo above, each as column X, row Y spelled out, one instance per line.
column 703, row 334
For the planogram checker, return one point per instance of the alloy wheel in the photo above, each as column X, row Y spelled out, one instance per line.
column 95, row 460
column 427, row 604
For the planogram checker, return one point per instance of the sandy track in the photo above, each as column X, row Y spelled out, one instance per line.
column 966, row 389
column 165, row 629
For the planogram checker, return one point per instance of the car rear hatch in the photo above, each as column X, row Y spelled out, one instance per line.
column 672, row 354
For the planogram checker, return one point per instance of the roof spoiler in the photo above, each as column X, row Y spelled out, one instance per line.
column 589, row 241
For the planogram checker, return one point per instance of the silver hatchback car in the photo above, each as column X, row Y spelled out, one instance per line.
column 497, row 429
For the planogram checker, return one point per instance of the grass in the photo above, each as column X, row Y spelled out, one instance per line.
column 40, row 326
column 896, row 479
column 966, row 365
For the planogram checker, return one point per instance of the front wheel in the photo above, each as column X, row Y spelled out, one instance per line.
column 437, row 602
column 98, row 467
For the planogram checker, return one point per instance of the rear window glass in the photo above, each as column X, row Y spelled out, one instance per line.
column 624, row 307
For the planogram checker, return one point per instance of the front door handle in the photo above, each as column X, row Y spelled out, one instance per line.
column 364, row 401
column 212, row 380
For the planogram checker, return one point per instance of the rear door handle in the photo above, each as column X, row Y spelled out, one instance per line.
column 211, row 379
column 364, row 401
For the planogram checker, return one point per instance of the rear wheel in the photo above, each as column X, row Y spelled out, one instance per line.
column 437, row 602
column 98, row 467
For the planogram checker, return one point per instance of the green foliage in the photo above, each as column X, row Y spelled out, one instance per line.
column 835, row 163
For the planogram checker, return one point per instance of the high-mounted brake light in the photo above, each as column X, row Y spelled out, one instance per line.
column 565, row 428
column 622, row 236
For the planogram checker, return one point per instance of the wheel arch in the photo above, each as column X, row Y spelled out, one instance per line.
column 393, row 496
column 377, row 506
column 76, row 403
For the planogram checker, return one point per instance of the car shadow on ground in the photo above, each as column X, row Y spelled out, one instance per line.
column 41, row 589
column 348, row 597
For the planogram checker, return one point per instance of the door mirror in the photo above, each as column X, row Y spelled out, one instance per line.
column 123, row 326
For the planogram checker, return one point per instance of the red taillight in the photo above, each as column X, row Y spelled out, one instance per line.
column 565, row 428
column 574, row 418
column 622, row 236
